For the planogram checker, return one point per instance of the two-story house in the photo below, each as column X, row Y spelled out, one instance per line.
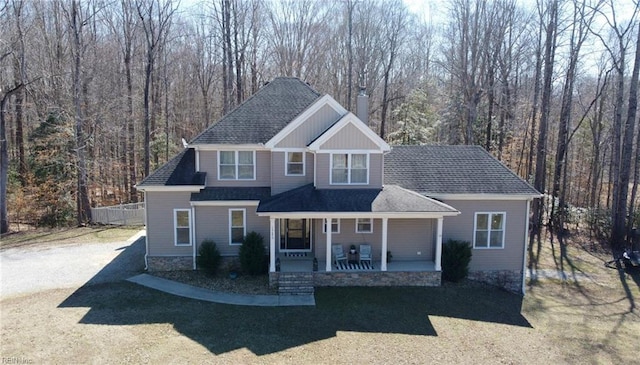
column 313, row 179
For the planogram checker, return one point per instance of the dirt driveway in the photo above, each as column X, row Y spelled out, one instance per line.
column 33, row 269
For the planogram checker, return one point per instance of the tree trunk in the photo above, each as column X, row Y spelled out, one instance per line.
column 82, row 195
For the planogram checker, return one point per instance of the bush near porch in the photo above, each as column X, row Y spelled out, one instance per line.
column 252, row 254
column 456, row 256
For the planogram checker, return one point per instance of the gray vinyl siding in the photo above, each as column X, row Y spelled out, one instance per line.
column 209, row 164
column 310, row 129
column 405, row 237
column 323, row 172
column 349, row 138
column 280, row 182
column 213, row 223
column 461, row 228
column 160, row 234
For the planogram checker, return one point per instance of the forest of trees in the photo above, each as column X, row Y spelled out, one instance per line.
column 96, row 94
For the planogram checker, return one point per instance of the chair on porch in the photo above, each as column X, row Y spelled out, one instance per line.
column 338, row 254
column 365, row 254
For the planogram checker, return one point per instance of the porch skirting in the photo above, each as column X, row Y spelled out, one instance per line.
column 370, row 278
column 510, row 280
column 169, row 263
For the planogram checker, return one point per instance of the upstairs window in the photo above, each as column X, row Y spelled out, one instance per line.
column 349, row 168
column 236, row 165
column 489, row 230
column 295, row 163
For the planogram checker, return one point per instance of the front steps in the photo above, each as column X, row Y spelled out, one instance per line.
column 295, row 283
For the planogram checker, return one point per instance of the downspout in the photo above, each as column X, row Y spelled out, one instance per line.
column 193, row 234
column 146, row 233
column 524, row 255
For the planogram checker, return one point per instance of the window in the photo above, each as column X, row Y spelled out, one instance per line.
column 237, row 228
column 335, row 225
column 364, row 225
column 182, row 227
column 236, row 165
column 349, row 168
column 295, row 163
column 489, row 230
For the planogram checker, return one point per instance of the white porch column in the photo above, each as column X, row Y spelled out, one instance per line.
column 439, row 245
column 272, row 244
column 383, row 264
column 328, row 225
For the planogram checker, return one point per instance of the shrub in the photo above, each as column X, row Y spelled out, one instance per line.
column 252, row 254
column 456, row 256
column 209, row 258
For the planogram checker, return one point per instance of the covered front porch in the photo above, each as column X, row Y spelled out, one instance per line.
column 306, row 264
column 312, row 231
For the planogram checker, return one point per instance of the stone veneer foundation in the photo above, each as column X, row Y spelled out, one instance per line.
column 378, row 278
column 169, row 263
column 506, row 279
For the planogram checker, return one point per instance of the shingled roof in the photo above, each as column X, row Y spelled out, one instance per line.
column 231, row 193
column 443, row 170
column 181, row 170
column 263, row 115
column 390, row 199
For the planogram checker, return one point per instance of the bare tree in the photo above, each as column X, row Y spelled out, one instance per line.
column 155, row 17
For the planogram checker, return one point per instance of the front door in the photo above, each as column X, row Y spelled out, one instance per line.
column 295, row 234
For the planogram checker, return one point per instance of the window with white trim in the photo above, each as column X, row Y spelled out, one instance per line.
column 489, row 230
column 364, row 225
column 349, row 168
column 182, row 227
column 294, row 163
column 237, row 226
column 236, row 165
column 335, row 225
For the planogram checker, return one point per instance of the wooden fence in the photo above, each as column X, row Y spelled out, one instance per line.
column 123, row 214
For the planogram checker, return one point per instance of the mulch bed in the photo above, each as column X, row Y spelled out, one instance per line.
column 243, row 284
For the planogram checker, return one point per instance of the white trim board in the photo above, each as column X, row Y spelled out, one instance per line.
column 171, row 188
column 225, row 203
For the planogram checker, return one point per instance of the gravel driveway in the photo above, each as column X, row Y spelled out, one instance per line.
column 29, row 270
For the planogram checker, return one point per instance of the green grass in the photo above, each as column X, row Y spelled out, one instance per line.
column 66, row 236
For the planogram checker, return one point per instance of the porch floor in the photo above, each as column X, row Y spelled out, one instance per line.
column 306, row 265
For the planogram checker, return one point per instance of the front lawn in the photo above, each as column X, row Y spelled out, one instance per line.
column 113, row 323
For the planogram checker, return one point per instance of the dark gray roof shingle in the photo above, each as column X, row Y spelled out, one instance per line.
column 389, row 199
column 231, row 193
column 451, row 170
column 181, row 170
column 263, row 115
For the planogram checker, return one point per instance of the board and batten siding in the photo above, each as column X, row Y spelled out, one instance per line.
column 461, row 228
column 406, row 237
column 310, row 129
column 349, row 138
column 209, row 164
column 323, row 172
column 213, row 223
column 160, row 225
column 280, row 182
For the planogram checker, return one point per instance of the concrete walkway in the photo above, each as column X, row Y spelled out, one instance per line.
column 189, row 291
